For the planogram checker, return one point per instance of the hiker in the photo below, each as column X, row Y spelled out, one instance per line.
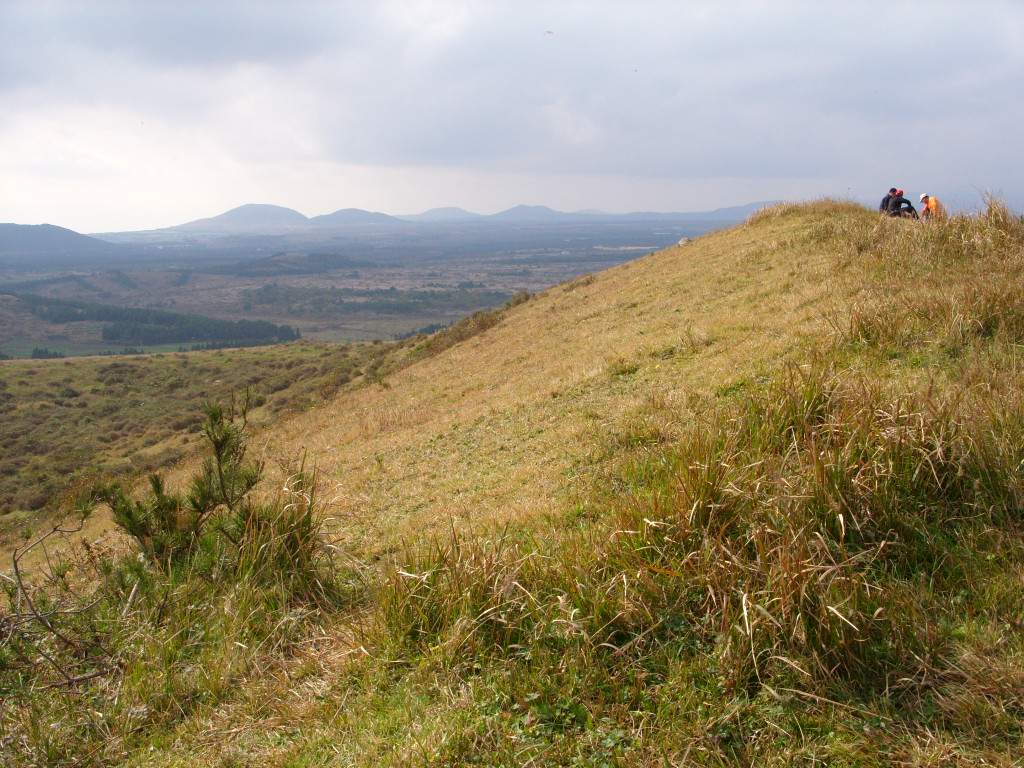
column 900, row 206
column 931, row 208
column 883, row 207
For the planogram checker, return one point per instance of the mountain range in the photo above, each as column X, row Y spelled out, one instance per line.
column 274, row 219
column 280, row 227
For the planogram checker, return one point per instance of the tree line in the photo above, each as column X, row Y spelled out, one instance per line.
column 131, row 325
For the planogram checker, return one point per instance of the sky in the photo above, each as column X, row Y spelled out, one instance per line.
column 120, row 115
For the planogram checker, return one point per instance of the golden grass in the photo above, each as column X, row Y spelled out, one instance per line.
column 489, row 431
column 510, row 428
column 493, row 429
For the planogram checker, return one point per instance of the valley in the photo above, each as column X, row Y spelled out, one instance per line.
column 371, row 301
column 356, row 277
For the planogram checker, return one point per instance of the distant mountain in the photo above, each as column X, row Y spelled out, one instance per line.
column 349, row 216
column 46, row 238
column 532, row 214
column 265, row 220
column 252, row 218
column 449, row 213
column 733, row 213
column 24, row 245
column 540, row 214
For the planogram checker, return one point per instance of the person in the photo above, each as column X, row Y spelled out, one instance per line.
column 900, row 206
column 884, row 205
column 931, row 208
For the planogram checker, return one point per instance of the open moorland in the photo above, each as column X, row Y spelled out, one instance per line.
column 755, row 499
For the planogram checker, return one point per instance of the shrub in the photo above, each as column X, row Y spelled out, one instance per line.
column 224, row 580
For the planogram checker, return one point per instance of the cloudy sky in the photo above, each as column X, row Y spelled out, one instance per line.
column 137, row 114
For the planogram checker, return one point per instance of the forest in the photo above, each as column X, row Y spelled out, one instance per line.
column 130, row 325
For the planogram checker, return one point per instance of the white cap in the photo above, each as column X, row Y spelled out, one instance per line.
column 923, row 197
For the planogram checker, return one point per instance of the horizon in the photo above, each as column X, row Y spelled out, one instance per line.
column 979, row 205
column 591, row 211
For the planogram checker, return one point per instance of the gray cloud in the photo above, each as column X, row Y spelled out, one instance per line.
column 188, row 33
column 251, row 98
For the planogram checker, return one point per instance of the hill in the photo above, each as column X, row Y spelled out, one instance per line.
column 448, row 213
column 353, row 216
column 751, row 500
column 252, row 218
column 23, row 245
column 531, row 393
column 530, row 214
column 45, row 238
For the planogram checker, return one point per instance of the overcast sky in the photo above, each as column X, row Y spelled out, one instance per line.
column 149, row 113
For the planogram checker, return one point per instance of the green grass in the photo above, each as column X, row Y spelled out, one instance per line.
column 801, row 568
column 819, row 564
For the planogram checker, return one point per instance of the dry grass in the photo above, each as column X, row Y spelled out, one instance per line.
column 703, row 508
column 488, row 431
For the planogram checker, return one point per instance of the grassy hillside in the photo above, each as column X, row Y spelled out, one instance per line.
column 753, row 500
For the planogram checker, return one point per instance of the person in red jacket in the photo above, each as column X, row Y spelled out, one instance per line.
column 931, row 208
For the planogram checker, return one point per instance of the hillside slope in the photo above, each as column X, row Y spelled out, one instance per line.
column 752, row 500
column 495, row 428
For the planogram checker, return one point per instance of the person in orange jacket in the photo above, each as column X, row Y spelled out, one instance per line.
column 931, row 208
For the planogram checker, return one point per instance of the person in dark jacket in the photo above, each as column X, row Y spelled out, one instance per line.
column 899, row 206
column 884, row 205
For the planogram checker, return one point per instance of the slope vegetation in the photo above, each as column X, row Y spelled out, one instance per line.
column 506, row 424
column 65, row 422
column 751, row 500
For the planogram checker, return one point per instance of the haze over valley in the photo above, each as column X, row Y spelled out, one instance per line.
column 348, row 276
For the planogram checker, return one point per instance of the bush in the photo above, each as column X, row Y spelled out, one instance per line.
column 223, row 579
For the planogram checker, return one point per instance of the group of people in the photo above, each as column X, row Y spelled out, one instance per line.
column 895, row 204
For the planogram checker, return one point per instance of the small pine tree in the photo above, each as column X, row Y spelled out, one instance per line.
column 168, row 527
